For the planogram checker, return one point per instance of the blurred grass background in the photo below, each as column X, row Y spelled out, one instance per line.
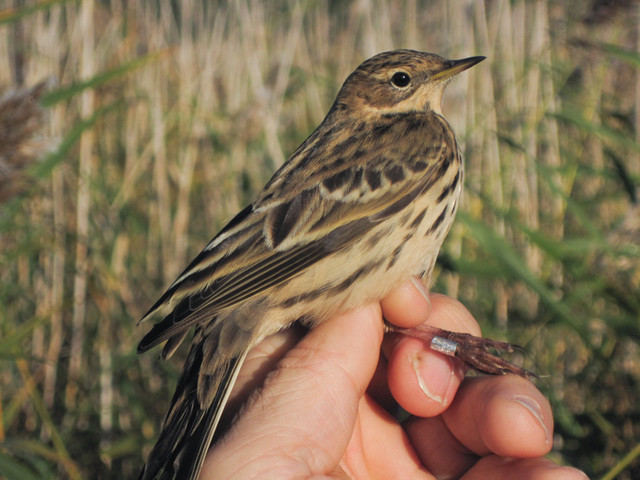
column 166, row 118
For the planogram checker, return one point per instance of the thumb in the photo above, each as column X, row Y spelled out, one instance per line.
column 301, row 421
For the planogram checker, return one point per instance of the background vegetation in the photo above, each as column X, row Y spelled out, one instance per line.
column 167, row 117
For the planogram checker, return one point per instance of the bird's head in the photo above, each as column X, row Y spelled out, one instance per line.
column 400, row 81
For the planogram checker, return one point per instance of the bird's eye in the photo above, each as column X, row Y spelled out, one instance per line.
column 400, row 79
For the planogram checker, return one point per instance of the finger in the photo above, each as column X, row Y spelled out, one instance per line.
column 503, row 415
column 499, row 468
column 438, row 449
column 408, row 305
column 423, row 381
column 369, row 457
column 378, row 388
column 302, row 419
column 449, row 314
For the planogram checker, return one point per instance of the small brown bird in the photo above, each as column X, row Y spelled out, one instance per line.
column 361, row 206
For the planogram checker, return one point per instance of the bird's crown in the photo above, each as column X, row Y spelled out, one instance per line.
column 399, row 81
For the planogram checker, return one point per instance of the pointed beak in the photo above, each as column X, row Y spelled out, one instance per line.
column 454, row 67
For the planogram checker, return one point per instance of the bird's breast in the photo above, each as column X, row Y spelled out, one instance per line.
column 404, row 245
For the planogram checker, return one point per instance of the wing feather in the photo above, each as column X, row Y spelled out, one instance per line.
column 287, row 235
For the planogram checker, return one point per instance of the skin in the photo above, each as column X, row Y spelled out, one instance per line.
column 322, row 412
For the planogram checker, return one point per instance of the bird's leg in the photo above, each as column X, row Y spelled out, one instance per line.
column 473, row 351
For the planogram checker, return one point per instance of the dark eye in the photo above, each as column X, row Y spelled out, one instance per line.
column 400, row 79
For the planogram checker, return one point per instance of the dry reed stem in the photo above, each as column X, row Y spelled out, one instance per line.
column 83, row 210
column 204, row 128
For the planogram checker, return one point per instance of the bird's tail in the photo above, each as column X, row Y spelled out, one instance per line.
column 189, row 427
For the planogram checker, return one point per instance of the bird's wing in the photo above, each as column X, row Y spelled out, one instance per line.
column 302, row 216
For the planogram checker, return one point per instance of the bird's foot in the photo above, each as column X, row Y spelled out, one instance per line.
column 473, row 351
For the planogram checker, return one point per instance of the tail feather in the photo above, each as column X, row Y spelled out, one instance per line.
column 189, row 427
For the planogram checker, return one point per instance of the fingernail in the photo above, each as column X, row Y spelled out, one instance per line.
column 422, row 288
column 581, row 472
column 571, row 472
column 534, row 408
column 433, row 376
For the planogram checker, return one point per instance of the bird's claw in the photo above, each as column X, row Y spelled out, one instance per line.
column 471, row 350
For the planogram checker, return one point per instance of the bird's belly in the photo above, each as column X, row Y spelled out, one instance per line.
column 367, row 270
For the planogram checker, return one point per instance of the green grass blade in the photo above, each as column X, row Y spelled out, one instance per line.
column 629, row 56
column 514, row 266
column 603, row 132
column 11, row 15
column 43, row 169
column 65, row 93
column 13, row 469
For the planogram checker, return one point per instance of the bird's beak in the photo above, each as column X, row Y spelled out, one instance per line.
column 454, row 67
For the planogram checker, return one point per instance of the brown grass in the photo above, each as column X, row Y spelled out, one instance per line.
column 155, row 156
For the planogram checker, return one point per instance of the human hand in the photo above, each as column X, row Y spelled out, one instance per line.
column 323, row 411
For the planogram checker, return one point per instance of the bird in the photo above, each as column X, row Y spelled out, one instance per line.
column 361, row 206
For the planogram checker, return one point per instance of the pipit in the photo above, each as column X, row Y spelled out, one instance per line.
column 361, row 206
